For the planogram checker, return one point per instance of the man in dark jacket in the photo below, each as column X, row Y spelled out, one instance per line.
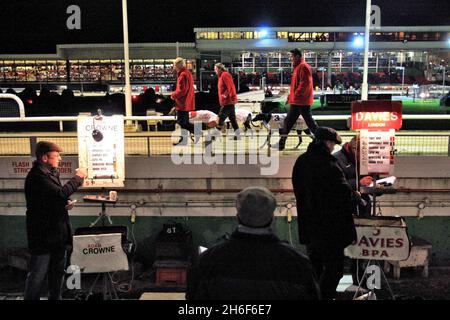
column 324, row 209
column 48, row 228
column 253, row 264
column 347, row 160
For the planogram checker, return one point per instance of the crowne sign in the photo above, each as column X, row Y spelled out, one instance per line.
column 376, row 115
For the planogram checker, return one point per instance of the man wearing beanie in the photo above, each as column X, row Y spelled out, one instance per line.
column 48, row 228
column 325, row 204
column 253, row 264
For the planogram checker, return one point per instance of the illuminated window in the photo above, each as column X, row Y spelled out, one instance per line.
column 207, row 35
column 248, row 35
column 282, row 35
column 230, row 35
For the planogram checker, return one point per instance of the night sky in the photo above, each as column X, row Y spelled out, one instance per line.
column 32, row 26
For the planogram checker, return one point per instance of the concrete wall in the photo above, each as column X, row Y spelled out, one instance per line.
column 156, row 186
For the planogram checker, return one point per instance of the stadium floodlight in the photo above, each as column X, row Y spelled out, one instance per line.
column 358, row 42
column 263, row 33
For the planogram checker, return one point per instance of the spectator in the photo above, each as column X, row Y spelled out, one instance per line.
column 48, row 227
column 253, row 264
column 324, row 209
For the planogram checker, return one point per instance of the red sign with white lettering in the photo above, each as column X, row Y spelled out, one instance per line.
column 376, row 115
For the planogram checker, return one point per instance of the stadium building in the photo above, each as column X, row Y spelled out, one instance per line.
column 252, row 53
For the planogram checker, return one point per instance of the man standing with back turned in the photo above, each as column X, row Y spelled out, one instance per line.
column 325, row 203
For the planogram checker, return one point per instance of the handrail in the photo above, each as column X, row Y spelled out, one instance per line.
column 173, row 118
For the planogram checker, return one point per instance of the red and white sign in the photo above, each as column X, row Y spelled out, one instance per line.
column 376, row 115
column 380, row 239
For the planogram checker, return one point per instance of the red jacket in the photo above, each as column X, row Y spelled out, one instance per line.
column 184, row 95
column 301, row 86
column 226, row 87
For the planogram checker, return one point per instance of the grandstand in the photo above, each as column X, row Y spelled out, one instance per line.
column 251, row 53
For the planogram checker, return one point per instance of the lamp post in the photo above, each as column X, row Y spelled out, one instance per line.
column 443, row 80
column 322, row 69
column 403, row 75
column 128, row 105
column 281, row 76
column 365, row 86
column 238, row 78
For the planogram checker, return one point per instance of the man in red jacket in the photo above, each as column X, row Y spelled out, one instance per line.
column 184, row 97
column 227, row 98
column 301, row 97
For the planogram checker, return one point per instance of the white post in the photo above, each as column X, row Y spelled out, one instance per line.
column 323, row 79
column 403, row 78
column 178, row 49
column 443, row 80
column 376, row 63
column 128, row 107
column 365, row 86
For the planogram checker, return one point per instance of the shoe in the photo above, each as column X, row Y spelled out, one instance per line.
column 235, row 138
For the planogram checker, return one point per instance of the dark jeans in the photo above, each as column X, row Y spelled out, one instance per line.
column 329, row 268
column 228, row 111
column 292, row 117
column 51, row 265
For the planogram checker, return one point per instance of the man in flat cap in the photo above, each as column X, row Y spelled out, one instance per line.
column 48, row 227
column 325, row 203
column 253, row 264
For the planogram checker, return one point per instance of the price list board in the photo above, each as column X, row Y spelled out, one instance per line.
column 101, row 150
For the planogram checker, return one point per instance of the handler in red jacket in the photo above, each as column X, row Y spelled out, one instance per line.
column 301, row 97
column 227, row 98
column 184, row 97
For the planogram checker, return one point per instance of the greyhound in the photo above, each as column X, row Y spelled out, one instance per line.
column 276, row 121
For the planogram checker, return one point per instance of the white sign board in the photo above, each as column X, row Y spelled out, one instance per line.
column 99, row 253
column 101, row 150
column 379, row 240
column 377, row 152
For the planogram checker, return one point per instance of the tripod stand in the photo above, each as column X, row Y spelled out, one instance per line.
column 108, row 288
column 374, row 191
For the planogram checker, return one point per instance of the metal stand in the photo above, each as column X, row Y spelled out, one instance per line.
column 108, row 286
column 375, row 192
column 376, row 262
column 102, row 216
